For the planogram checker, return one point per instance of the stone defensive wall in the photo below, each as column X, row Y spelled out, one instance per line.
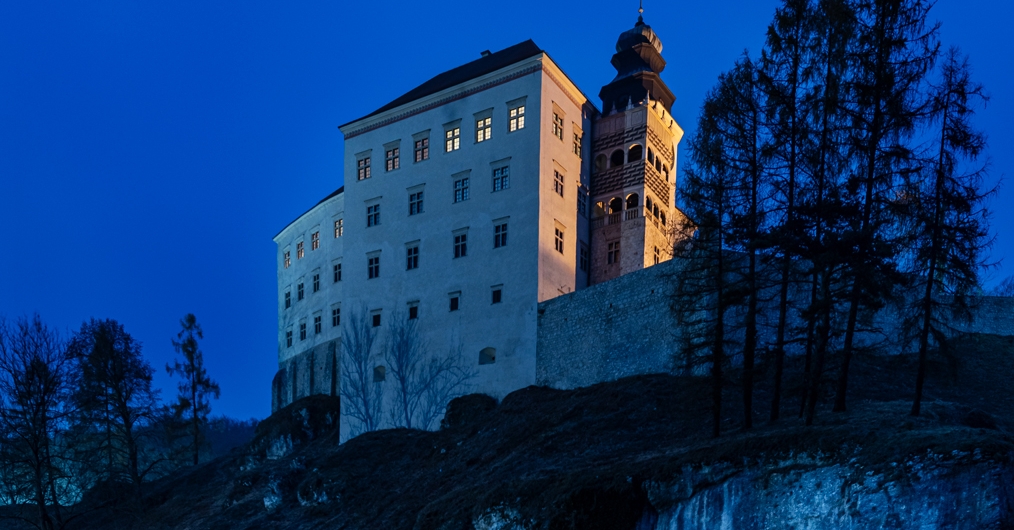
column 314, row 371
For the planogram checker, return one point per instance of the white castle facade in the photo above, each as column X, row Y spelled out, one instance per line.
column 471, row 200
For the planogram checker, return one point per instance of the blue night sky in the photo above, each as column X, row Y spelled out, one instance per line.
column 149, row 151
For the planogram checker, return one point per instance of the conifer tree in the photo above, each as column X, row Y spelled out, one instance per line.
column 196, row 388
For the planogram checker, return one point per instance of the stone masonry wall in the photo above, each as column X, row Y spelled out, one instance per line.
column 314, row 371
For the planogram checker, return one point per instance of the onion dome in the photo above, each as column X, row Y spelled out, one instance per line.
column 638, row 62
column 640, row 34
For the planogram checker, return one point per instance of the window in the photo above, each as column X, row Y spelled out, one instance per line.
column 392, row 158
column 288, row 299
column 634, row 153
column 302, row 331
column 600, row 163
column 501, row 178
column 316, row 282
column 316, row 324
column 558, row 240
column 363, row 168
column 286, row 259
column 487, row 356
column 415, row 203
column 460, row 245
column 288, row 338
column 616, row 159
column 299, row 291
column 452, row 139
column 497, row 294
column 375, row 318
column 315, row 240
column 656, row 256
column 455, row 301
column 483, row 129
column 412, row 258
column 584, row 258
column 339, row 228
column 613, row 252
column 582, row 202
column 461, row 190
column 337, row 272
column 373, row 267
column 422, row 149
column 517, row 115
column 336, row 316
column 558, row 126
column 413, row 311
column 379, row 372
column 577, row 144
column 558, row 183
column 299, row 250
column 500, row 235
column 373, row 215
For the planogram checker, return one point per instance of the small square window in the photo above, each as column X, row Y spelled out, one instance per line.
column 363, row 168
column 460, row 245
column 392, row 159
column 558, row 240
column 483, row 129
column 500, row 235
column 288, row 299
column 339, row 228
column 337, row 272
column 517, row 115
column 373, row 267
column 373, row 215
column 422, row 149
column 316, row 324
column 336, row 316
column 316, row 282
column 454, row 302
column 286, row 259
column 558, row 183
column 497, row 295
column 558, row 126
column 415, row 203
column 299, row 292
column 461, row 190
column 375, row 319
column 412, row 258
column 302, row 331
column 501, row 178
column 413, row 312
column 299, row 250
column 452, row 139
column 315, row 240
column 288, row 338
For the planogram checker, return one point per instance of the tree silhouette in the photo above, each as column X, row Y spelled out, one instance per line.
column 196, row 388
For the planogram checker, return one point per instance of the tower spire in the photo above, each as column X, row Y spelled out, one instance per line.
column 640, row 12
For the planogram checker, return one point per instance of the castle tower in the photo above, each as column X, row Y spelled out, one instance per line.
column 634, row 161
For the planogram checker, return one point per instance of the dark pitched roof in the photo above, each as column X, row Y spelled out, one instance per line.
column 465, row 72
column 334, row 193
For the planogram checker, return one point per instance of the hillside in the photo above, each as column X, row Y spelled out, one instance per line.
column 634, row 453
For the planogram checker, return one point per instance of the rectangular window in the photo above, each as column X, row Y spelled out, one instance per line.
column 299, row 250
column 363, row 168
column 558, row 240
column 415, row 203
column 375, row 317
column 517, row 115
column 558, row 126
column 497, row 294
column 373, row 267
column 316, row 282
column 454, row 301
column 577, row 144
column 584, row 257
column 483, row 129
column 412, row 258
column 339, row 228
column 558, row 183
column 392, row 158
column 336, row 317
column 461, row 190
column 302, row 331
column 582, row 202
column 373, row 215
column 286, row 259
column 299, row 292
column 413, row 312
column 613, row 252
column 315, row 240
column 337, row 272
column 452, row 139
column 501, row 178
column 657, row 256
column 422, row 149
column 500, row 235
column 460, row 245
column 317, row 325
column 288, row 338
column 288, row 299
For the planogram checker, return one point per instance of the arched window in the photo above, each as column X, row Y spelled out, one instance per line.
column 651, row 156
column 379, row 373
column 647, row 203
column 634, row 153
column 654, row 210
column 600, row 209
column 616, row 159
column 487, row 356
column 600, row 163
column 658, row 164
column 662, row 217
column 615, row 205
column 665, row 171
column 632, row 201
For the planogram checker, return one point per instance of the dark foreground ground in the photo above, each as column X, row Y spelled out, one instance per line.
column 572, row 459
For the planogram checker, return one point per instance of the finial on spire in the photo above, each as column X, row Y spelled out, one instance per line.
column 640, row 13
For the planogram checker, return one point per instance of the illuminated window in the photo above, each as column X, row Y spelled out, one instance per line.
column 483, row 129
column 558, row 126
column 316, row 325
column 299, row 250
column 373, row 267
column 412, row 258
column 517, row 115
column 339, row 228
column 288, row 338
column 415, row 203
column 392, row 159
column 422, row 149
column 500, row 235
column 558, row 240
column 337, row 272
column 501, row 178
column 461, row 190
column 315, row 240
column 613, row 252
column 452, row 139
column 288, row 299
column 577, row 144
column 299, row 291
column 286, row 259
column 373, row 215
column 363, row 168
column 316, row 282
column 558, row 183
column 461, row 245
column 336, row 316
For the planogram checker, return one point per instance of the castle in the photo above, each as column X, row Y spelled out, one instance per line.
column 471, row 199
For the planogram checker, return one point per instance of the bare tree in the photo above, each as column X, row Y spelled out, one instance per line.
column 196, row 388
column 423, row 385
column 34, row 405
column 362, row 397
